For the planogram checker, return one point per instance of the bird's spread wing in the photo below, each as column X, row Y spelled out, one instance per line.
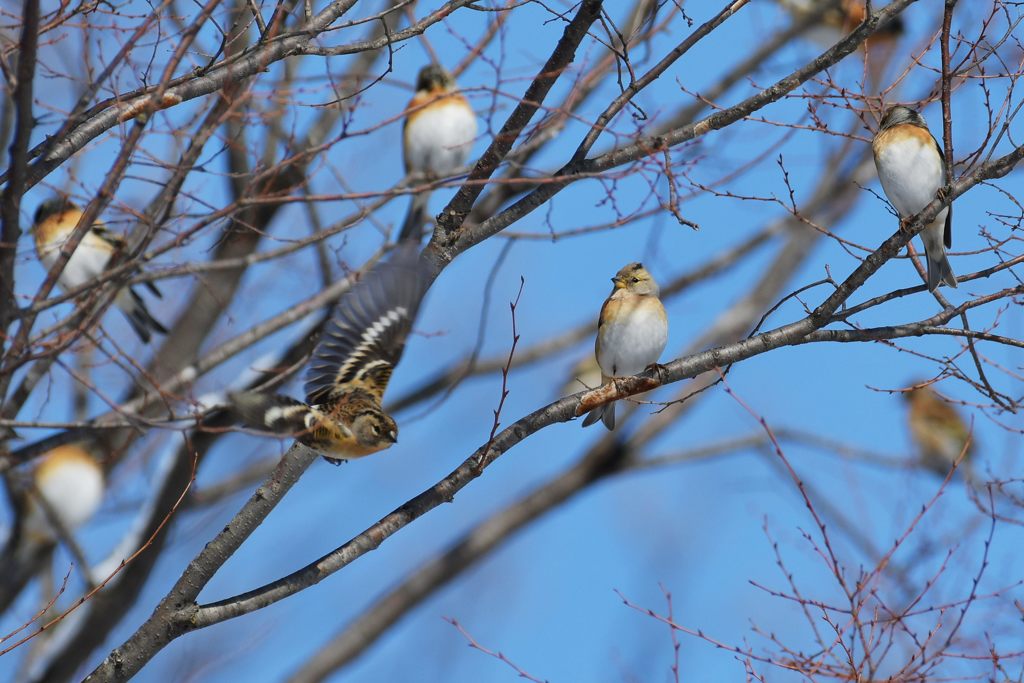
column 363, row 339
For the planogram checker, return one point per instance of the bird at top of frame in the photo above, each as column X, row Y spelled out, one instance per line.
column 437, row 136
column 840, row 18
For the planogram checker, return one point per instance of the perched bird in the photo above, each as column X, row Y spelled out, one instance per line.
column 67, row 484
column 54, row 222
column 436, row 139
column 912, row 170
column 362, row 342
column 939, row 431
column 71, row 483
column 631, row 332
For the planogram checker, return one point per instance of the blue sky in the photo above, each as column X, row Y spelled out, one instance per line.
column 547, row 598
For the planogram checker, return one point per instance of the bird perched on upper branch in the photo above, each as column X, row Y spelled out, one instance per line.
column 631, row 332
column 342, row 417
column 436, row 139
column 912, row 169
column 939, row 431
column 54, row 221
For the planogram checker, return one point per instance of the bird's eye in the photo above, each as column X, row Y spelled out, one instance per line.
column 376, row 430
column 636, row 279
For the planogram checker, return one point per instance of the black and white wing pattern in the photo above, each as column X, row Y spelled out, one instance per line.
column 363, row 340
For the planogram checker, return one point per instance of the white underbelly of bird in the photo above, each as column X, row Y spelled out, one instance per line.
column 440, row 138
column 634, row 342
column 911, row 174
column 85, row 264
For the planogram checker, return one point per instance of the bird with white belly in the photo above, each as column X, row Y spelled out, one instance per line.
column 631, row 333
column 437, row 137
column 912, row 170
column 54, row 221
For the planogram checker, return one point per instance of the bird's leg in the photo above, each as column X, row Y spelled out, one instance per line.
column 658, row 368
column 905, row 223
column 944, row 192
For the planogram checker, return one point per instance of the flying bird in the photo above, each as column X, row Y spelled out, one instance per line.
column 360, row 346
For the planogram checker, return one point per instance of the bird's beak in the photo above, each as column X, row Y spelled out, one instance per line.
column 393, row 436
column 618, row 282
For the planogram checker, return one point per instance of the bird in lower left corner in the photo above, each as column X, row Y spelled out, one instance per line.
column 632, row 331
column 941, row 434
column 70, row 481
column 360, row 346
column 54, row 221
column 437, row 137
column 912, row 170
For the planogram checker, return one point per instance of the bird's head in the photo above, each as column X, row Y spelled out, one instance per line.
column 434, row 78
column 51, row 207
column 375, row 430
column 635, row 279
column 898, row 115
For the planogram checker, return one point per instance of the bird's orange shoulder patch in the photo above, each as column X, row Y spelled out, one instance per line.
column 55, row 227
column 424, row 101
column 901, row 133
column 61, row 456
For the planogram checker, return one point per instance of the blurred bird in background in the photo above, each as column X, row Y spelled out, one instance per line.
column 939, row 431
column 585, row 374
column 69, row 481
column 912, row 170
column 632, row 331
column 64, row 491
column 437, row 137
column 362, row 342
column 839, row 18
column 55, row 220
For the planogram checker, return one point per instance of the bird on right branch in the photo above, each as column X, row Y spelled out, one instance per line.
column 632, row 331
column 437, row 137
column 912, row 170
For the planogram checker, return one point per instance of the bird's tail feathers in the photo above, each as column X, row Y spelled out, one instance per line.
column 412, row 227
column 939, row 271
column 141, row 320
column 605, row 414
column 270, row 412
